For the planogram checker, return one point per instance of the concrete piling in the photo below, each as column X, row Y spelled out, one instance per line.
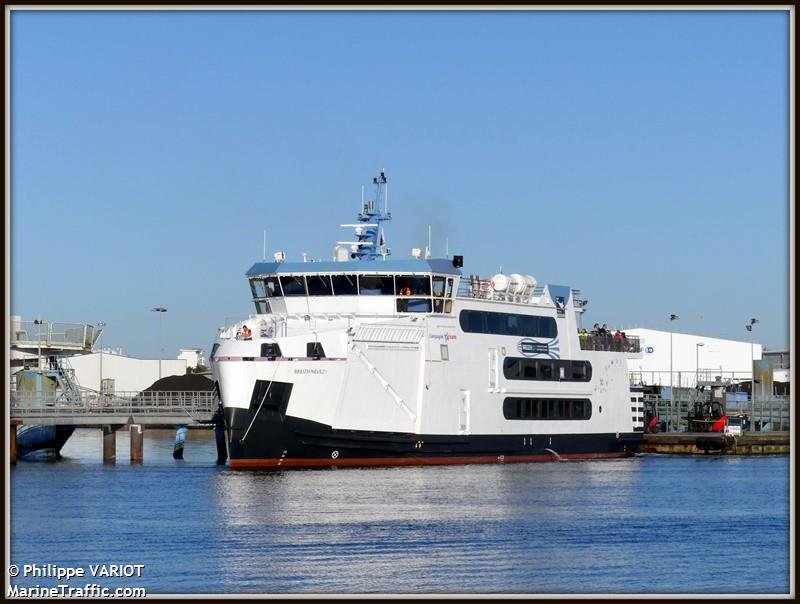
column 109, row 445
column 137, row 443
column 12, row 440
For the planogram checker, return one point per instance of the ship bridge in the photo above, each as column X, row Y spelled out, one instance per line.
column 358, row 286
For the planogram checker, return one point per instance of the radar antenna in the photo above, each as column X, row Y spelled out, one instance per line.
column 370, row 240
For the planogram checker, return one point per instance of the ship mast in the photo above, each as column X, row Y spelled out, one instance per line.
column 370, row 242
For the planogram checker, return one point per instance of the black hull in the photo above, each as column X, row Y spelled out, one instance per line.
column 278, row 441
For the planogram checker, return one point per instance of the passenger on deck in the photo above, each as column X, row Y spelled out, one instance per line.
column 246, row 334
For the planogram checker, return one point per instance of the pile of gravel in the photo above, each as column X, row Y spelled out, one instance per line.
column 191, row 382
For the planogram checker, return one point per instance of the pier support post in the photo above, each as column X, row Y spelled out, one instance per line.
column 137, row 443
column 219, row 436
column 180, row 440
column 222, row 448
column 12, row 440
column 109, row 445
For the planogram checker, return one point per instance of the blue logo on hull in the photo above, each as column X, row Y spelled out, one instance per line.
column 531, row 348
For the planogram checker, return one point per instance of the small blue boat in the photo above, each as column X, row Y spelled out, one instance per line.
column 37, row 442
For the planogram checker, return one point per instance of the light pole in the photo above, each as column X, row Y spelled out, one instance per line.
column 101, row 325
column 749, row 327
column 38, row 321
column 697, row 363
column 160, row 310
column 671, row 396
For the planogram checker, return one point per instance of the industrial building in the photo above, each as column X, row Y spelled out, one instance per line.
column 691, row 358
column 194, row 357
column 114, row 373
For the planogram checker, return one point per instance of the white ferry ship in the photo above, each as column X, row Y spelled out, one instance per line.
column 370, row 361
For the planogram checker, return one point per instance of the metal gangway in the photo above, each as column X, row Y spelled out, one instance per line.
column 85, row 407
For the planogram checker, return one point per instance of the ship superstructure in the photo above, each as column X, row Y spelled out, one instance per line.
column 370, row 361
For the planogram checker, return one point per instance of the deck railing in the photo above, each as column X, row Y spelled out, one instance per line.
column 610, row 344
column 29, row 334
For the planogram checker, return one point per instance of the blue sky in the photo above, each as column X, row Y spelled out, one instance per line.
column 641, row 157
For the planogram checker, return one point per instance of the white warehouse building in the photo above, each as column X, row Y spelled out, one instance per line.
column 195, row 357
column 693, row 356
column 121, row 373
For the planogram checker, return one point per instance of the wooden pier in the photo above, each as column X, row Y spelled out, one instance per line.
column 715, row 443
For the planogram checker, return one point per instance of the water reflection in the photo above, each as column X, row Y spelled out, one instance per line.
column 617, row 526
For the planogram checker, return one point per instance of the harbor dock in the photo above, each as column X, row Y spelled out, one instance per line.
column 717, row 443
column 111, row 413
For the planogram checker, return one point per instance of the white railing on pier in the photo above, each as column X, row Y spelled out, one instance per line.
column 199, row 406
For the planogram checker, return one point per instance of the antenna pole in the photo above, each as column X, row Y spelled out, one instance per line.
column 386, row 199
column 430, row 250
column 446, row 247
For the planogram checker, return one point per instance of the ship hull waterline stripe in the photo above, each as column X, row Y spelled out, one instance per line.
column 244, row 464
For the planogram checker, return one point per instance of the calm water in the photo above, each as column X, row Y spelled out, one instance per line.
column 653, row 524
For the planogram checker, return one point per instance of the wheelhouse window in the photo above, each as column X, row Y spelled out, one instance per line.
column 262, row 307
column 419, row 305
column 448, row 304
column 293, row 286
column 258, row 289
column 376, row 285
column 411, row 285
column 272, row 287
column 345, row 285
column 319, row 285
column 265, row 287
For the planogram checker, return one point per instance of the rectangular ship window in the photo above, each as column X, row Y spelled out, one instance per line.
column 293, row 286
column 345, row 285
column 376, row 285
column 319, row 285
